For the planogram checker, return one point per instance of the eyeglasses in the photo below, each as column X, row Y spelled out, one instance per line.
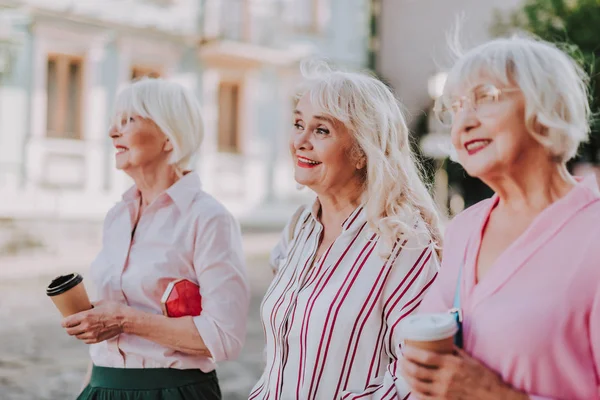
column 481, row 98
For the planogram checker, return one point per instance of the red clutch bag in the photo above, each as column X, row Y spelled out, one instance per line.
column 181, row 298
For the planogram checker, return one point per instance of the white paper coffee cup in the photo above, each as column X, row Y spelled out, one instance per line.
column 433, row 332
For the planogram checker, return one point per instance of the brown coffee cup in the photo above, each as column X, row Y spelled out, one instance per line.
column 68, row 294
column 432, row 332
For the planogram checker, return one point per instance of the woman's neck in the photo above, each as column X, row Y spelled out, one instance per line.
column 151, row 183
column 532, row 189
column 337, row 203
column 335, row 209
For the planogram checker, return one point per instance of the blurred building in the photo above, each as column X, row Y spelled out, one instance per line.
column 63, row 61
column 410, row 42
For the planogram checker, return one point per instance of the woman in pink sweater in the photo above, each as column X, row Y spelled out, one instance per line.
column 529, row 257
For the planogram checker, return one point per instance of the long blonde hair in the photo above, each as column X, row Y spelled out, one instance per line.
column 396, row 199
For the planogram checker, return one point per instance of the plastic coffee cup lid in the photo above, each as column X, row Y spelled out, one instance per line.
column 428, row 327
column 63, row 283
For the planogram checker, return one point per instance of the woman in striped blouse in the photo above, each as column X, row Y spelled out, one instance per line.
column 352, row 266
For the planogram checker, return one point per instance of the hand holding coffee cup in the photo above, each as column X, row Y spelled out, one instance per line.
column 431, row 332
column 68, row 294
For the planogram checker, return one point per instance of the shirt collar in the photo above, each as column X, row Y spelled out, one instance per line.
column 131, row 194
column 182, row 192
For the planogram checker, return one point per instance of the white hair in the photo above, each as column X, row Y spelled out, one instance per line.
column 554, row 86
column 395, row 195
column 173, row 108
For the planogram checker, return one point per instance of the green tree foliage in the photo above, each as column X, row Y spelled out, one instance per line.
column 574, row 25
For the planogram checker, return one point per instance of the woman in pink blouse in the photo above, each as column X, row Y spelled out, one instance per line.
column 527, row 261
column 165, row 228
column 354, row 264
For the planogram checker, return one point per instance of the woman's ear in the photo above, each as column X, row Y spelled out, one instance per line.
column 359, row 156
column 361, row 163
column 168, row 146
column 538, row 128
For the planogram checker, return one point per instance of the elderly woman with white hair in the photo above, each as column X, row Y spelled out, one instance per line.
column 354, row 264
column 523, row 267
column 165, row 228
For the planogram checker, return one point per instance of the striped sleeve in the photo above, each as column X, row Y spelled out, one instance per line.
column 413, row 272
column 288, row 236
column 279, row 251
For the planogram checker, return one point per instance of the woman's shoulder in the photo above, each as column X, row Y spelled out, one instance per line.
column 458, row 231
column 205, row 208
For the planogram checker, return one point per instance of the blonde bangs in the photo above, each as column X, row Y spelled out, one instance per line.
column 332, row 96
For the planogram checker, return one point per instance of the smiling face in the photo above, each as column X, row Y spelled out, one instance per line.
column 139, row 144
column 492, row 138
column 322, row 150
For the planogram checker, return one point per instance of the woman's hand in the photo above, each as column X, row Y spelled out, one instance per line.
column 101, row 323
column 452, row 377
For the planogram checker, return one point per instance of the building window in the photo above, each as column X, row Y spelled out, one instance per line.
column 229, row 116
column 64, row 91
column 140, row 72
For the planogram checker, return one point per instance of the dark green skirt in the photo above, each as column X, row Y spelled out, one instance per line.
column 151, row 384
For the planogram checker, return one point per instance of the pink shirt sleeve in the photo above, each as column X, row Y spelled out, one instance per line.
column 219, row 265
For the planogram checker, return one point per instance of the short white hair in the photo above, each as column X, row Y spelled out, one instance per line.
column 173, row 108
column 394, row 192
column 553, row 84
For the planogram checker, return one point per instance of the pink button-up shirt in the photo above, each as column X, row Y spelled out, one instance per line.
column 184, row 233
column 535, row 317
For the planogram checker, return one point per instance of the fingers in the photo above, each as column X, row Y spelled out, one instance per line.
column 76, row 319
column 420, row 378
column 85, row 336
column 417, row 371
column 427, row 372
column 97, row 336
column 423, row 357
column 89, row 338
column 76, row 330
column 72, row 320
column 423, row 396
column 421, row 389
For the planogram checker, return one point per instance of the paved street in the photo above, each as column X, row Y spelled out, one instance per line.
column 38, row 361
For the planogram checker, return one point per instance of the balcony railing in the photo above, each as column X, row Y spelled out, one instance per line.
column 263, row 22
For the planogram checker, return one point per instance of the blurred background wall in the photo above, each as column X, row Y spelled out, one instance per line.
column 63, row 61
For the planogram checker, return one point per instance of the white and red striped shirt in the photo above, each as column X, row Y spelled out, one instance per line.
column 331, row 329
